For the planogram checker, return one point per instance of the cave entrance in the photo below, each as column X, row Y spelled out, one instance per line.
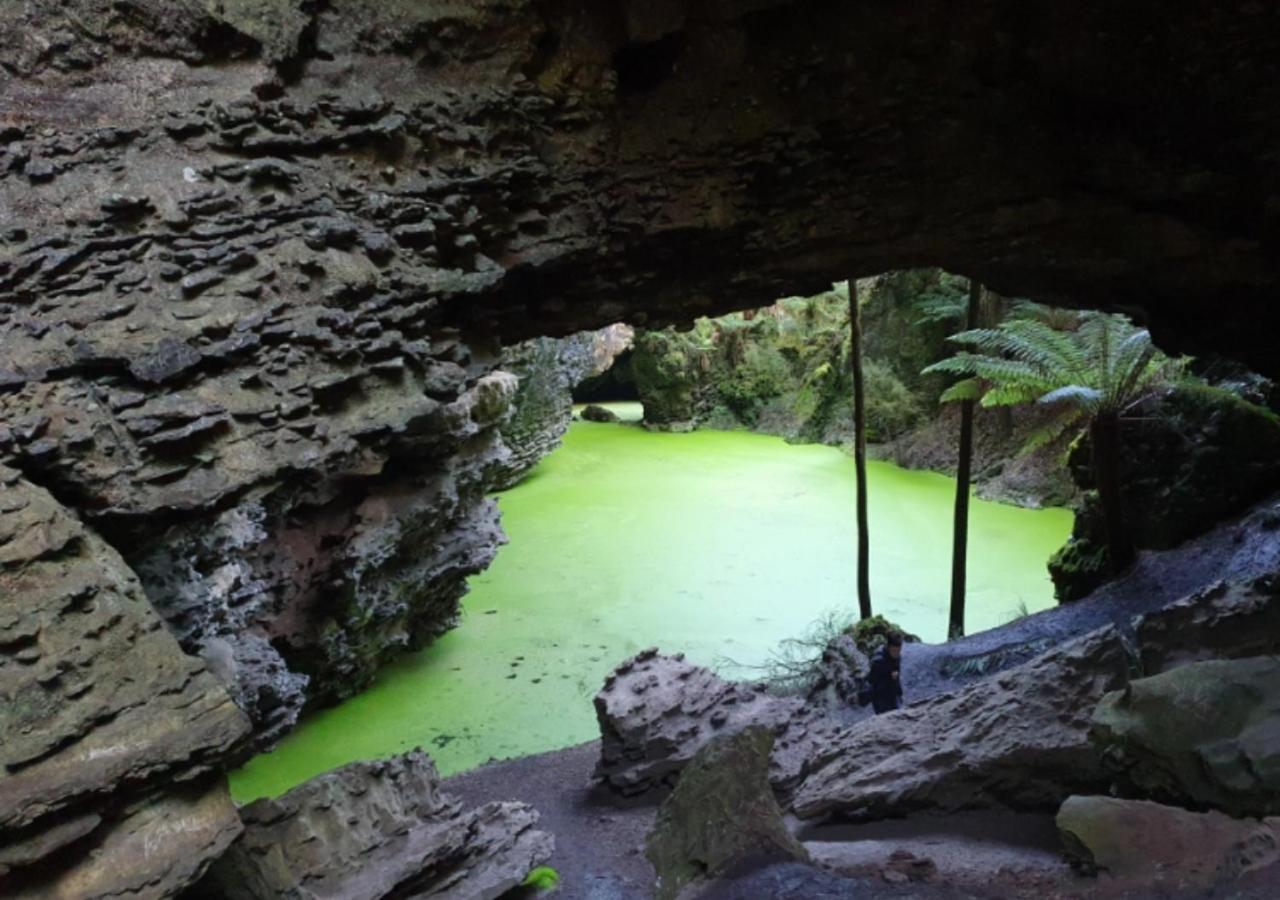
column 704, row 531
column 616, row 384
column 700, row 531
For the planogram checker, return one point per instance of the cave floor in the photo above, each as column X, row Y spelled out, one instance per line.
column 984, row 854
column 978, row 854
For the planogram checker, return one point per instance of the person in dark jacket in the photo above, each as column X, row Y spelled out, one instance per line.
column 884, row 679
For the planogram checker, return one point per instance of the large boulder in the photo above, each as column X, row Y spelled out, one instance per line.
column 378, row 829
column 721, row 813
column 109, row 734
column 1226, row 621
column 155, row 846
column 656, row 712
column 1205, row 734
column 1020, row 738
column 1149, row 845
column 594, row 413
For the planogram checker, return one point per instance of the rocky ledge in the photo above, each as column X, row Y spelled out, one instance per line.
column 113, row 738
column 548, row 370
column 373, row 830
column 1071, row 720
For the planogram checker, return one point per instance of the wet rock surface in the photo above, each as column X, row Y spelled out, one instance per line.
column 109, row 729
column 1157, row 846
column 1202, row 735
column 1019, row 739
column 721, row 812
column 378, row 829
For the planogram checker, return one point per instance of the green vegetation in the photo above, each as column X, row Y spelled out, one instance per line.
column 1094, row 373
column 787, row 370
column 713, row 543
column 795, row 665
column 543, row 878
column 1195, row 455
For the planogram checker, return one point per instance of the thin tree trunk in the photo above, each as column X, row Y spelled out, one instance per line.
column 960, row 528
column 1104, row 434
column 860, row 450
column 995, row 308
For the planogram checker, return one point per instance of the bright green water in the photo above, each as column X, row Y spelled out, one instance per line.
column 715, row 543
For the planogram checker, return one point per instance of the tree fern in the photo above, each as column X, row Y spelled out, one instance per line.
column 1103, row 366
column 1093, row 373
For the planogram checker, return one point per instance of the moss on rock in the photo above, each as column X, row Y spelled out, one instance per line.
column 1193, row 458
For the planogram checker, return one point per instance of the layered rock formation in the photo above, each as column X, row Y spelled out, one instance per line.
column 256, row 254
column 112, row 736
column 1228, row 621
column 378, row 830
column 1019, row 739
column 548, row 369
column 256, row 257
column 608, row 164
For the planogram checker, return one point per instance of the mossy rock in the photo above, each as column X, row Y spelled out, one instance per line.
column 594, row 413
column 871, row 634
column 1201, row 735
column 722, row 812
column 1078, row 568
column 1199, row 455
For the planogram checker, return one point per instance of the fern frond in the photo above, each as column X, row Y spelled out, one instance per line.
column 1078, row 395
column 1052, row 430
column 967, row 389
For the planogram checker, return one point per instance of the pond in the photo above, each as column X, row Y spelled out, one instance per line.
column 717, row 544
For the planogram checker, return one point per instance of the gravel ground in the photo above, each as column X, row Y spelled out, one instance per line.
column 600, row 836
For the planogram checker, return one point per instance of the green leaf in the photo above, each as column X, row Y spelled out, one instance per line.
column 968, row 389
column 543, row 878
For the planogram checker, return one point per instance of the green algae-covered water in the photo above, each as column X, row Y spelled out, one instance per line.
column 718, row 544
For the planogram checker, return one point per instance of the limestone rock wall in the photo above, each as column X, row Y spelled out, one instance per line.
column 254, row 256
column 548, row 370
column 112, row 736
column 374, row 830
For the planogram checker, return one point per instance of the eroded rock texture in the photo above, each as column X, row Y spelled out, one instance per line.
column 1228, row 621
column 1163, row 846
column 656, row 712
column 1018, row 739
column 112, row 736
column 548, row 370
column 722, row 812
column 255, row 254
column 1202, row 735
column 371, row 830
